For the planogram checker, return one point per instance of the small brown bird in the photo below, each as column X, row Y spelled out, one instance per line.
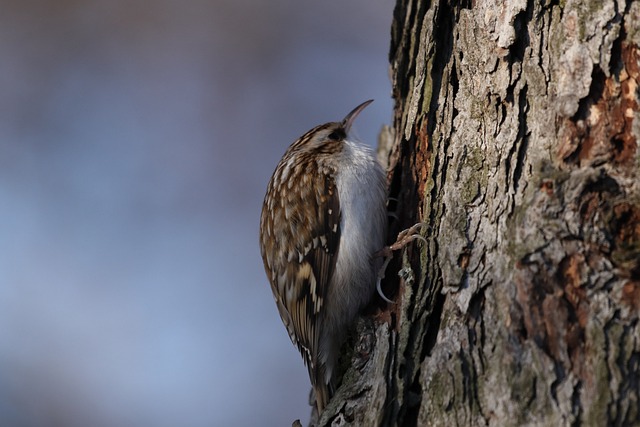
column 323, row 219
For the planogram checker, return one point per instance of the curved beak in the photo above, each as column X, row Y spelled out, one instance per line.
column 348, row 120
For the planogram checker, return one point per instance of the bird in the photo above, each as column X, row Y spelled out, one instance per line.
column 323, row 220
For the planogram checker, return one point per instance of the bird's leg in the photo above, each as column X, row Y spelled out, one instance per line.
column 404, row 238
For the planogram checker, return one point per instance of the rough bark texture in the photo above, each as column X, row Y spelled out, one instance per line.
column 515, row 139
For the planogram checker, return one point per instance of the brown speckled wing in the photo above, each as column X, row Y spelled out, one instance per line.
column 314, row 274
column 300, row 275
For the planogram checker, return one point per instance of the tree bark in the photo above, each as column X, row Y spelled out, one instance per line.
column 515, row 140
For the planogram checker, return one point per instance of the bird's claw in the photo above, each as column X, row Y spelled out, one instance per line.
column 404, row 238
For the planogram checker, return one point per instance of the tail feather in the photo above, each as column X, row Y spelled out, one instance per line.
column 322, row 396
column 323, row 391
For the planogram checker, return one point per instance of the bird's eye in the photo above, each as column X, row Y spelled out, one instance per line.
column 336, row 135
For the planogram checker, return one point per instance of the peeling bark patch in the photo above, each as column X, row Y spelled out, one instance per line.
column 423, row 159
column 602, row 129
column 554, row 311
column 631, row 294
column 547, row 187
column 625, row 228
column 570, row 272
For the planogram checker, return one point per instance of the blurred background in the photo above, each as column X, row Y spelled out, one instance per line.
column 136, row 142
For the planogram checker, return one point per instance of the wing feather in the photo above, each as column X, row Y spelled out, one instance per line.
column 300, row 252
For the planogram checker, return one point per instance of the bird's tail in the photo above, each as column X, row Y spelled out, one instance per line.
column 323, row 394
column 323, row 387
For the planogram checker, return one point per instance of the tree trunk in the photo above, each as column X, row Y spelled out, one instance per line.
column 515, row 140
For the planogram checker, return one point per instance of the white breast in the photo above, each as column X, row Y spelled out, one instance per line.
column 362, row 189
